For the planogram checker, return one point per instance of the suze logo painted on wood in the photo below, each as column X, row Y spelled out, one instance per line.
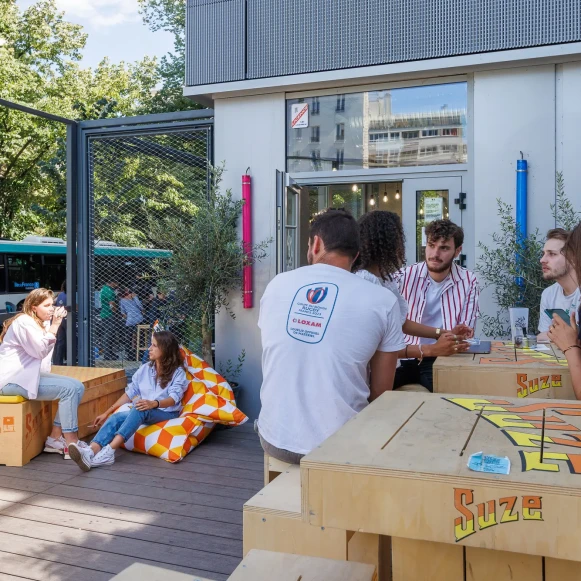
column 522, row 425
column 527, row 386
column 492, row 512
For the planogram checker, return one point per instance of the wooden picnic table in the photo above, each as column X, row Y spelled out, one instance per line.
column 506, row 371
column 395, row 469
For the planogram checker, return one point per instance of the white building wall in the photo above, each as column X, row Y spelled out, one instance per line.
column 533, row 109
column 569, row 128
column 249, row 132
column 514, row 110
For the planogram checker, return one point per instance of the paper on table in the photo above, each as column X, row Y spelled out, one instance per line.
column 480, row 462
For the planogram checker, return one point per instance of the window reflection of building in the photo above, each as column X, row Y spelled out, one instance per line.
column 371, row 135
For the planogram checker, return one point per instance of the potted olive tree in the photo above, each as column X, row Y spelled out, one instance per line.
column 207, row 259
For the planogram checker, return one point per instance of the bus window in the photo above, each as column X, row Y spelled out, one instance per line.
column 24, row 272
column 2, row 274
column 54, row 271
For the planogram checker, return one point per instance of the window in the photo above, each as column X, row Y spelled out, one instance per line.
column 383, row 121
column 316, row 106
column 29, row 271
column 2, row 274
column 428, row 151
column 316, row 159
column 299, row 134
column 315, row 134
column 338, row 163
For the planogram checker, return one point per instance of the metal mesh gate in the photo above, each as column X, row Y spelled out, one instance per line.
column 136, row 178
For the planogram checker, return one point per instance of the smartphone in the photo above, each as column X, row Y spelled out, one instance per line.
column 561, row 312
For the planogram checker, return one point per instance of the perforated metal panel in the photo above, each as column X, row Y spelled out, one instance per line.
column 300, row 36
column 215, row 49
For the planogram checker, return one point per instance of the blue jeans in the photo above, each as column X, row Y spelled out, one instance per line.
column 52, row 387
column 125, row 424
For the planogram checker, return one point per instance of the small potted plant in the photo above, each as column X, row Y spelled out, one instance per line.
column 231, row 370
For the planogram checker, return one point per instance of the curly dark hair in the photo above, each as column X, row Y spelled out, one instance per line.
column 444, row 229
column 171, row 356
column 382, row 243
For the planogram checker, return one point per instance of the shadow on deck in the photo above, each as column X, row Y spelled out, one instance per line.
column 58, row 523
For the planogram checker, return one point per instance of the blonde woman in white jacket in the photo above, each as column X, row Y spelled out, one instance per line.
column 27, row 341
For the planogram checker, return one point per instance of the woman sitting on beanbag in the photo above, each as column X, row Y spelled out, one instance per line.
column 154, row 395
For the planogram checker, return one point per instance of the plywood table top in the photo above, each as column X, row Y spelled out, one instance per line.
column 402, row 453
column 88, row 374
column 504, row 354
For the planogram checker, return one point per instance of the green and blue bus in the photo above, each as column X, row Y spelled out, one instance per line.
column 41, row 262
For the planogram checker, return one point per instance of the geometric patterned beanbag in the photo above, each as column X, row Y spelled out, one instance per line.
column 207, row 401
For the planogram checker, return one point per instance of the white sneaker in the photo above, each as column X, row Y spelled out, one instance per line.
column 82, row 454
column 55, row 445
column 80, row 444
column 104, row 457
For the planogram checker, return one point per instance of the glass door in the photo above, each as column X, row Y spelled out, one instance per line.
column 426, row 200
column 292, row 223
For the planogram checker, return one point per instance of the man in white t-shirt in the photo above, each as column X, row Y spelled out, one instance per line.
column 439, row 294
column 321, row 328
column 564, row 294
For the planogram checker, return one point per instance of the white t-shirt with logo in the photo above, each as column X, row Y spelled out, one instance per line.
column 553, row 297
column 432, row 316
column 320, row 326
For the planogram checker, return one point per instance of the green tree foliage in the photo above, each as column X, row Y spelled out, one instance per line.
column 39, row 54
column 207, row 260
column 511, row 267
column 169, row 15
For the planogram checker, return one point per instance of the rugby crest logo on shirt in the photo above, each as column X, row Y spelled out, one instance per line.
column 317, row 295
column 308, row 319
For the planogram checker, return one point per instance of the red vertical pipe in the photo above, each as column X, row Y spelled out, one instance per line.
column 247, row 239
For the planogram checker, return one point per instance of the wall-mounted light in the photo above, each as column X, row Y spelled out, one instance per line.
column 421, row 210
column 372, row 201
column 385, row 199
column 397, row 194
column 354, row 188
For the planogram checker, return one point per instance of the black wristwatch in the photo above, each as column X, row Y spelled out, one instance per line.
column 157, row 403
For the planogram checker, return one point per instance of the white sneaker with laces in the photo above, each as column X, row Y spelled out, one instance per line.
column 105, row 457
column 54, row 445
column 82, row 454
column 80, row 444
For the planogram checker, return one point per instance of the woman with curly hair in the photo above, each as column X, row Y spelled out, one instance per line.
column 382, row 254
column 154, row 395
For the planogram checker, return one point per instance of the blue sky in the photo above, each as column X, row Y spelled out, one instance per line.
column 115, row 29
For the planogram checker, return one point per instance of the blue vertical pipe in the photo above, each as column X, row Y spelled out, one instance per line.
column 521, row 207
column 521, row 198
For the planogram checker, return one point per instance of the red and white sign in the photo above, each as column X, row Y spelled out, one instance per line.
column 299, row 115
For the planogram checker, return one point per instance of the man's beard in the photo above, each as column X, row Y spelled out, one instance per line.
column 556, row 274
column 439, row 267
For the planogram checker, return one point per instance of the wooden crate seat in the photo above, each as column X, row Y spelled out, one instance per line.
column 142, row 572
column 272, row 468
column 273, row 522
column 266, row 565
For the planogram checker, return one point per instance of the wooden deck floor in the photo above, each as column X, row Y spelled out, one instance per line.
column 58, row 523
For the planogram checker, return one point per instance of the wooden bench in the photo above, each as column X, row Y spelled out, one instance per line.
column 103, row 387
column 273, row 522
column 273, row 468
column 265, row 566
column 141, row 572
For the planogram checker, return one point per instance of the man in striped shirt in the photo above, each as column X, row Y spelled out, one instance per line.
column 440, row 294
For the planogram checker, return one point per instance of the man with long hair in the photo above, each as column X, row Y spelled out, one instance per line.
column 564, row 294
column 439, row 294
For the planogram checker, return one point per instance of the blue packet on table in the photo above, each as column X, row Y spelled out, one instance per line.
column 481, row 462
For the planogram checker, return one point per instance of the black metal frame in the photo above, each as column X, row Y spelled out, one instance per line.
column 106, row 128
column 78, row 200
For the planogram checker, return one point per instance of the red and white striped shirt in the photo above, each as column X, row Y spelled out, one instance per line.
column 459, row 296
